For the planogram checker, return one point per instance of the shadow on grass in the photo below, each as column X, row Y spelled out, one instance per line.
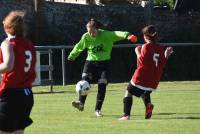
column 190, row 118
column 54, row 92
column 179, row 116
column 164, row 116
column 119, row 116
column 174, row 113
column 182, row 90
column 113, row 116
column 165, row 113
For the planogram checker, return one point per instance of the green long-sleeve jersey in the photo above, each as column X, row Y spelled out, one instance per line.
column 98, row 48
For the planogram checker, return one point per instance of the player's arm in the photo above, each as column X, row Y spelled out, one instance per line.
column 138, row 51
column 120, row 35
column 78, row 48
column 168, row 52
column 8, row 57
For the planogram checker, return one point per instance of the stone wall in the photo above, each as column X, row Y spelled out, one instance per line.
column 66, row 22
column 63, row 24
column 175, row 28
column 7, row 5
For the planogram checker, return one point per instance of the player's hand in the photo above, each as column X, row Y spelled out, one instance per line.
column 138, row 49
column 70, row 59
column 168, row 52
column 132, row 38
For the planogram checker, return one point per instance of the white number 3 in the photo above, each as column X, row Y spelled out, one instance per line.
column 28, row 60
column 155, row 58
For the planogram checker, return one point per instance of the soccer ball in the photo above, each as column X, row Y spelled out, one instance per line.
column 83, row 87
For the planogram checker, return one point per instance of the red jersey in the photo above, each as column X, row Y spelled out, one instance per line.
column 23, row 73
column 150, row 67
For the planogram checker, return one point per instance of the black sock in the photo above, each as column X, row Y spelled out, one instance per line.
column 82, row 99
column 146, row 98
column 100, row 96
column 128, row 101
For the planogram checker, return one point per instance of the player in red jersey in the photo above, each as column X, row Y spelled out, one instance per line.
column 151, row 58
column 17, row 67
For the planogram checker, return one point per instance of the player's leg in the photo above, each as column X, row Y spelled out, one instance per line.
column 87, row 76
column 127, row 101
column 103, row 70
column 146, row 97
column 6, row 111
column 131, row 90
column 82, row 98
column 25, row 108
column 3, row 114
column 15, row 120
column 102, row 83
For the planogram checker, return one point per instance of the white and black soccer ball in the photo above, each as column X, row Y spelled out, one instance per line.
column 83, row 87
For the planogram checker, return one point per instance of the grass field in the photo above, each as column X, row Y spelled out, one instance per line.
column 176, row 111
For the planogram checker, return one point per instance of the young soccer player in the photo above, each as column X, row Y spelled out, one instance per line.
column 151, row 58
column 98, row 43
column 17, row 67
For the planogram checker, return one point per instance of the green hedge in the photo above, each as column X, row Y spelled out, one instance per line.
column 170, row 3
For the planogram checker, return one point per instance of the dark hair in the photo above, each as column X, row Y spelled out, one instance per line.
column 14, row 23
column 150, row 33
column 94, row 23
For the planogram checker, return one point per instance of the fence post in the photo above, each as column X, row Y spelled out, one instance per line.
column 63, row 66
column 148, row 7
column 50, row 71
column 37, row 16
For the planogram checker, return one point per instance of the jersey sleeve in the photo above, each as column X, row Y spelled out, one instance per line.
column 78, row 48
column 118, row 35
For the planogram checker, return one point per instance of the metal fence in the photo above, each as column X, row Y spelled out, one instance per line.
column 62, row 49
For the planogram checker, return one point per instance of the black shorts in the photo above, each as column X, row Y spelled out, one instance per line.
column 95, row 70
column 136, row 91
column 15, row 108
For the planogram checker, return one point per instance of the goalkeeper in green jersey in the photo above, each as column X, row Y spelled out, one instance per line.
column 98, row 43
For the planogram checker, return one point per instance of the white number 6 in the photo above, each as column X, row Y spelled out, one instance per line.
column 28, row 60
column 155, row 58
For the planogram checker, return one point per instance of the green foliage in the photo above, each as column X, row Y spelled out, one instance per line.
column 170, row 3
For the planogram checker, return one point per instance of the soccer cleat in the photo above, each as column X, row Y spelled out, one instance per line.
column 98, row 113
column 124, row 118
column 149, row 110
column 78, row 105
